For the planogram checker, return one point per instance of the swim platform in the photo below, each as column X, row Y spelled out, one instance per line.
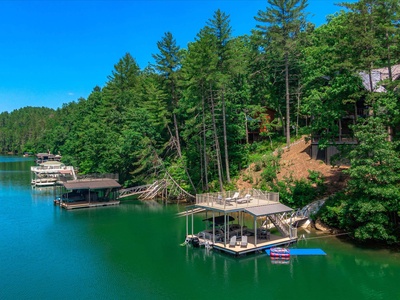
column 296, row 251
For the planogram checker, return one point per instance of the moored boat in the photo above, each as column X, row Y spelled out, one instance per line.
column 50, row 172
column 41, row 182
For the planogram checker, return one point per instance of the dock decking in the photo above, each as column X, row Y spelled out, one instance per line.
column 77, row 205
column 251, row 247
column 214, row 202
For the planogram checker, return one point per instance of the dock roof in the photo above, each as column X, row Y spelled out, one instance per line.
column 91, row 184
column 268, row 209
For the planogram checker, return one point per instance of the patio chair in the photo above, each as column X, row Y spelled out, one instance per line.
column 245, row 199
column 243, row 242
column 234, row 198
column 232, row 242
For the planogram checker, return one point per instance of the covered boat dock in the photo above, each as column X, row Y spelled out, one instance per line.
column 250, row 208
column 88, row 193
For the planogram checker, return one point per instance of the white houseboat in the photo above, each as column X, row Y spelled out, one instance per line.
column 49, row 173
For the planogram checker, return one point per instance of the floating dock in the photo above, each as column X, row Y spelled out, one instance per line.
column 255, row 206
column 256, row 213
column 304, row 252
column 78, row 205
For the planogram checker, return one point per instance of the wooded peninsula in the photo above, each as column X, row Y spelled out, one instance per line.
column 205, row 113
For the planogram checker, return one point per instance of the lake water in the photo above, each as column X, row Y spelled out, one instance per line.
column 132, row 251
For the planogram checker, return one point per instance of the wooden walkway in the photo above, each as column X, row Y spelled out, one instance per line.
column 146, row 192
column 189, row 212
column 133, row 191
column 159, row 188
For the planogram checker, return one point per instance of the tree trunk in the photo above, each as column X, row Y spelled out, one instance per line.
column 298, row 111
column 178, row 150
column 247, row 129
column 177, row 140
column 200, row 147
column 228, row 177
column 205, row 147
column 217, row 149
column 287, row 100
column 282, row 118
column 389, row 62
column 371, row 86
column 389, row 66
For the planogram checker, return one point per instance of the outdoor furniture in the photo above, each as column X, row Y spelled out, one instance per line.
column 243, row 242
column 232, row 242
column 245, row 199
column 263, row 233
column 234, row 198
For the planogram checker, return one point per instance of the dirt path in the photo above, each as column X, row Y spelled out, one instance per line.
column 296, row 161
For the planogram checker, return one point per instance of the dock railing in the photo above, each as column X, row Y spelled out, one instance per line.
column 266, row 196
column 95, row 176
column 228, row 199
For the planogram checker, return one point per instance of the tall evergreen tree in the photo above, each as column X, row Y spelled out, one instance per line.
column 284, row 20
column 221, row 29
column 199, row 70
column 168, row 64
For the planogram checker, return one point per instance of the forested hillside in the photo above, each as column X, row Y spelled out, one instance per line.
column 190, row 113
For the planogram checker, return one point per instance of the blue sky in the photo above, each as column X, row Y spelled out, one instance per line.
column 54, row 52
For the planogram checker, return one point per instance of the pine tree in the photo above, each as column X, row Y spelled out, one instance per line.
column 221, row 29
column 168, row 65
column 284, row 19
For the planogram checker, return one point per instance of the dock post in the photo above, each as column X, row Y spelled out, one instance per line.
column 187, row 222
column 192, row 223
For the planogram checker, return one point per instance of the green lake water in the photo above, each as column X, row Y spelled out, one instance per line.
column 132, row 251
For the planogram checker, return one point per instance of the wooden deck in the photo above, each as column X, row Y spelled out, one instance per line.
column 78, row 205
column 225, row 206
column 227, row 203
column 251, row 247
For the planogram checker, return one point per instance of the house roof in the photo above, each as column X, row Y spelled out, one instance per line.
column 384, row 72
column 265, row 210
column 91, row 184
column 378, row 75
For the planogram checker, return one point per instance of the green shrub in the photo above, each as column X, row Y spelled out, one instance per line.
column 332, row 213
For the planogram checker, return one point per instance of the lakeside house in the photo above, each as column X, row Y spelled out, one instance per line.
column 374, row 81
